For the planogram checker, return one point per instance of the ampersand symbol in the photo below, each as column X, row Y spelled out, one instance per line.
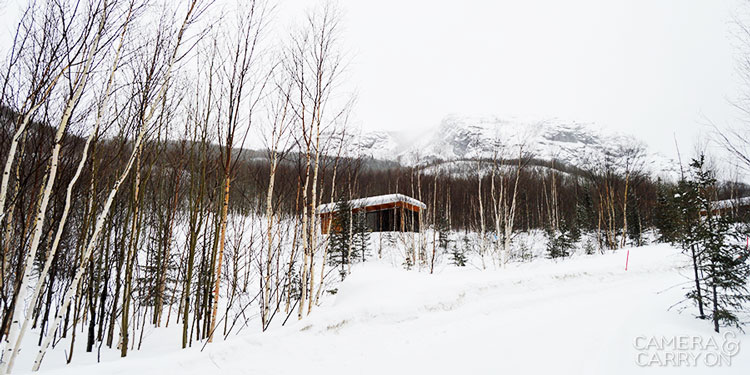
column 730, row 346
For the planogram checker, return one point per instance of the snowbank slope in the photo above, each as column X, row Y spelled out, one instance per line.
column 577, row 316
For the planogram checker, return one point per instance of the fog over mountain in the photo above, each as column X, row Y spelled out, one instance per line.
column 460, row 137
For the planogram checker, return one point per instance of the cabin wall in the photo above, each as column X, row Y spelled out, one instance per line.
column 391, row 217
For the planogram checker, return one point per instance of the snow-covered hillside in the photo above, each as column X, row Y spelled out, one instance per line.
column 467, row 137
column 578, row 316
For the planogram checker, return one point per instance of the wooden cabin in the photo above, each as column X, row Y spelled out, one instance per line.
column 737, row 209
column 384, row 213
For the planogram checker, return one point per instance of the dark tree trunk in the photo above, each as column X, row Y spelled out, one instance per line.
column 697, row 283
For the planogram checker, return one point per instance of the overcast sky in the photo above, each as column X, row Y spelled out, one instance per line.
column 652, row 68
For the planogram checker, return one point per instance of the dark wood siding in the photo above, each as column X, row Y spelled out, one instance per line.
column 389, row 217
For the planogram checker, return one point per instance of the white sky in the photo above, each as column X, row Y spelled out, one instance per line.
column 651, row 68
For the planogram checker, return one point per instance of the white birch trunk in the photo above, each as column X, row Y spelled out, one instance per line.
column 481, row 215
column 305, row 241
column 68, row 198
column 73, row 288
column 71, row 291
column 269, row 256
column 14, row 143
column 313, row 219
column 15, row 335
column 511, row 216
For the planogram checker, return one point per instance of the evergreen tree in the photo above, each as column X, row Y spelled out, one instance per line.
column 685, row 226
column 574, row 233
column 360, row 235
column 583, row 221
column 458, row 254
column 589, row 247
column 559, row 243
column 524, row 253
column 717, row 251
column 667, row 215
column 725, row 271
column 585, row 210
column 294, row 285
column 340, row 239
column 635, row 232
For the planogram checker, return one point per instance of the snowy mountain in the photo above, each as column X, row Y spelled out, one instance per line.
column 471, row 137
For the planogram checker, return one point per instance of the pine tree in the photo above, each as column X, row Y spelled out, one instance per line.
column 560, row 243
column 585, row 211
column 458, row 253
column 294, row 285
column 667, row 214
column 360, row 236
column 583, row 221
column 725, row 271
column 588, row 247
column 339, row 253
column 684, row 223
column 574, row 232
column 524, row 253
column 717, row 251
column 635, row 232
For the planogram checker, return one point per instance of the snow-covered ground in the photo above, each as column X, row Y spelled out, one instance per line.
column 584, row 315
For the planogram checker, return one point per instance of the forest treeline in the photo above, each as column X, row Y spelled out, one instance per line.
column 548, row 190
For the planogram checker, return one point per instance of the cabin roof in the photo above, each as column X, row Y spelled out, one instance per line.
column 730, row 203
column 372, row 201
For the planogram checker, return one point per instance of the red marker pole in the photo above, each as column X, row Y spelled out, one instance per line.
column 627, row 258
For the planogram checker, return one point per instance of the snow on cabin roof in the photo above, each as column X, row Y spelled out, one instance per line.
column 730, row 203
column 372, row 201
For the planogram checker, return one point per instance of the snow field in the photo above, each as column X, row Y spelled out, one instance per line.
column 575, row 316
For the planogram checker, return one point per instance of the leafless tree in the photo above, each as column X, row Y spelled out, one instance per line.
column 243, row 80
column 314, row 63
column 278, row 144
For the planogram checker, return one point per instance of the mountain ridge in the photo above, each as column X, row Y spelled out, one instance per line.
column 461, row 137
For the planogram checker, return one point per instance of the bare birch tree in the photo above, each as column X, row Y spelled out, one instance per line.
column 244, row 82
column 278, row 145
column 69, row 191
column 314, row 64
column 77, row 85
column 143, row 129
